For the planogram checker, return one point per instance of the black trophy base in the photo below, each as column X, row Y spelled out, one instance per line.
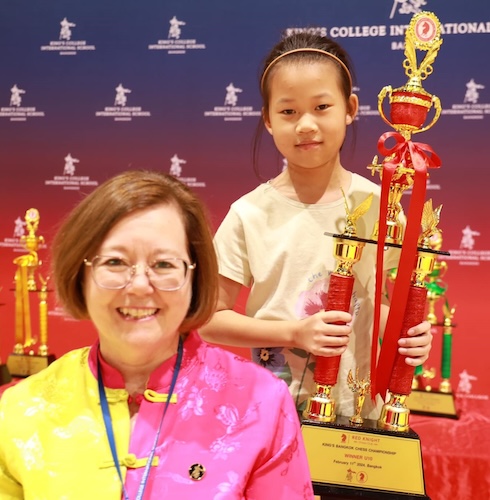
column 432, row 403
column 24, row 365
column 5, row 376
column 361, row 461
column 330, row 492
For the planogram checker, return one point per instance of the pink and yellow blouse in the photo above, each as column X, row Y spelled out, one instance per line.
column 231, row 431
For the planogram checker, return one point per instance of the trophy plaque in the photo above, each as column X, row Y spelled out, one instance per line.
column 24, row 360
column 351, row 457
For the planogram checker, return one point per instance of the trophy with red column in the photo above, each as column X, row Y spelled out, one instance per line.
column 406, row 165
column 356, row 458
column 347, row 251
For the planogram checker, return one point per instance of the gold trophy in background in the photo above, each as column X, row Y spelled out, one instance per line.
column 24, row 361
column 425, row 399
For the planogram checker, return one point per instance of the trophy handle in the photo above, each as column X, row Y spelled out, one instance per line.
column 438, row 109
column 385, row 90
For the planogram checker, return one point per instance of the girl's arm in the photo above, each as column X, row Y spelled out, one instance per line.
column 316, row 334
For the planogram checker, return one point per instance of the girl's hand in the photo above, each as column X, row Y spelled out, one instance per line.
column 417, row 345
column 320, row 335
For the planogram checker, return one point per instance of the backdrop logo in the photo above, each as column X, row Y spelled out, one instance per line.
column 121, row 97
column 65, row 31
column 230, row 111
column 15, row 112
column 466, row 254
column 69, row 181
column 16, row 95
column 472, row 93
column 65, row 46
column 19, row 228
column 120, row 111
column 70, row 165
column 174, row 44
column 231, row 97
column 465, row 386
column 406, row 7
column 15, row 242
column 470, row 108
column 176, row 170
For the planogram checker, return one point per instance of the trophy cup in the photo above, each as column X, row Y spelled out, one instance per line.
column 354, row 458
column 24, row 361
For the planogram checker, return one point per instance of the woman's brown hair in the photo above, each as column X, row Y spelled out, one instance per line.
column 86, row 226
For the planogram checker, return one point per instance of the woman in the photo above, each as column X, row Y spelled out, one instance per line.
column 149, row 410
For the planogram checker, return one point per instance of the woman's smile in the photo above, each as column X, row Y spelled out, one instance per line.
column 137, row 313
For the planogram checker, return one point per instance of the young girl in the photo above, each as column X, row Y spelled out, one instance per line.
column 272, row 239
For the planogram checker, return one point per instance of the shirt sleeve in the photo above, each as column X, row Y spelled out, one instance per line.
column 231, row 249
column 285, row 474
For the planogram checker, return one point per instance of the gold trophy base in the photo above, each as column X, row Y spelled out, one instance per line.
column 432, row 403
column 353, row 461
column 23, row 365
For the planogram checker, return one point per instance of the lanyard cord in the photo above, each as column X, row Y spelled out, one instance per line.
column 110, row 432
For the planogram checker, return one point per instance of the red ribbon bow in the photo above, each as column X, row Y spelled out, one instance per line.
column 419, row 156
column 405, row 149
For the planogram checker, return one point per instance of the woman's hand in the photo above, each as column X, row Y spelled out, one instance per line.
column 416, row 347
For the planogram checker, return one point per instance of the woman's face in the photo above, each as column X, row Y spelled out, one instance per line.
column 139, row 316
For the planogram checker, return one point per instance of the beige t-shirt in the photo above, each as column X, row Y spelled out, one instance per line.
column 278, row 247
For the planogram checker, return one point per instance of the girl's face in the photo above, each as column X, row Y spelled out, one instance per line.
column 140, row 316
column 308, row 113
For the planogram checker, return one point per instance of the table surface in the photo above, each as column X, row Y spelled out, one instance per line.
column 456, row 453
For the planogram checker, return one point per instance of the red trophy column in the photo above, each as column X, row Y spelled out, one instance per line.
column 347, row 251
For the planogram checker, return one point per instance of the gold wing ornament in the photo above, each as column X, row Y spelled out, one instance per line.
column 357, row 213
column 429, row 222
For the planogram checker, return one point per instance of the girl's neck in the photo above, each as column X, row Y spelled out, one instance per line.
column 313, row 186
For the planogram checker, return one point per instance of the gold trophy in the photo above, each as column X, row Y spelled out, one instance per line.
column 436, row 287
column 353, row 457
column 395, row 413
column 425, row 399
column 24, row 361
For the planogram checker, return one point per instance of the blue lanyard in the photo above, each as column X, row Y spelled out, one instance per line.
column 110, row 432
